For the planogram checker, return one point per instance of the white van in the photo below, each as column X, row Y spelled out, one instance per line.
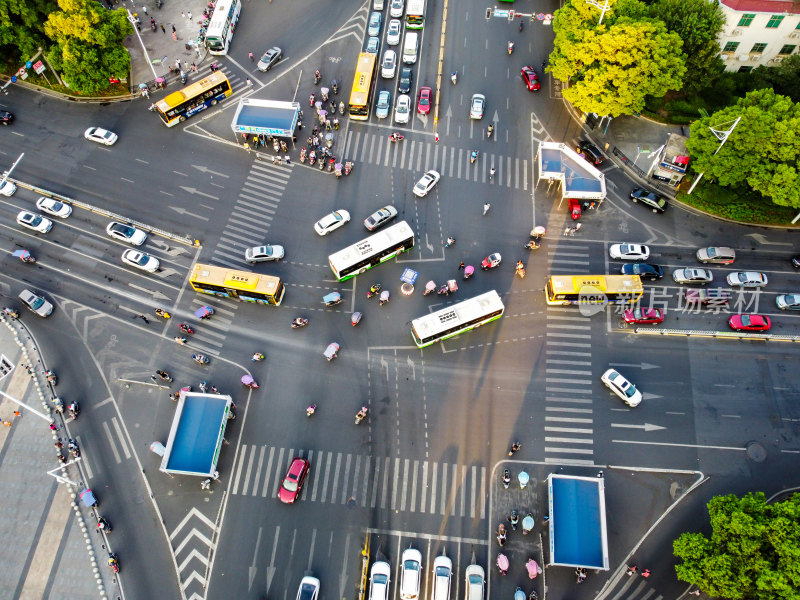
column 410, row 48
column 377, row 4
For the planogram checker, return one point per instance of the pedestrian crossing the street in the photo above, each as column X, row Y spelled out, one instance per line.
column 421, row 155
column 569, row 422
column 396, row 484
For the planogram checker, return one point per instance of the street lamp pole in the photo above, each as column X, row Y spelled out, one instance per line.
column 723, row 137
column 602, row 8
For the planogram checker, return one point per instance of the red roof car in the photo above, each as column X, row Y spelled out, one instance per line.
column 750, row 322
column 530, row 79
column 643, row 316
column 424, row 102
column 292, row 484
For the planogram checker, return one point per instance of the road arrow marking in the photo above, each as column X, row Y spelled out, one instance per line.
column 646, row 426
column 183, row 211
column 271, row 567
column 195, row 191
column 343, row 575
column 643, row 366
column 646, row 396
column 762, row 239
column 251, row 571
column 153, row 293
column 410, row 364
column 203, row 169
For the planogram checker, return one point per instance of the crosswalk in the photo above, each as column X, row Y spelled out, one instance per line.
column 396, row 484
column 420, row 155
column 569, row 422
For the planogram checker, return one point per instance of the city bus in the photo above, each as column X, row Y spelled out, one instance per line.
column 239, row 285
column 415, row 14
column 223, row 22
column 563, row 290
column 377, row 248
column 456, row 319
column 361, row 94
column 197, row 96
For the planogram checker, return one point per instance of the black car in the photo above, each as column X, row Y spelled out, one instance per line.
column 652, row 200
column 6, row 117
column 643, row 270
column 406, row 75
column 591, row 153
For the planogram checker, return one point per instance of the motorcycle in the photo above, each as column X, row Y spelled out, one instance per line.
column 450, row 242
column 160, row 312
column 58, row 404
column 299, row 322
column 332, row 299
column 203, row 387
column 317, row 77
column 179, row 339
column 513, row 518
column 520, row 270
column 10, row 312
column 311, row 409
column 331, row 351
column 312, row 157
column 454, row 77
column 430, row 287
column 311, row 99
column 321, row 164
column 355, row 318
column 527, row 524
column 257, row 357
column 361, row 415
column 200, row 359
column 185, row 328
column 473, row 157
column 335, row 87
column 74, row 410
column 113, row 562
column 532, row 245
column 533, row 568
column 159, row 4
column 24, row 256
column 395, row 137
column 331, row 164
column 384, row 298
column 523, row 479
column 184, row 76
column 501, row 535
column 469, row 271
column 348, row 167
column 514, row 448
column 502, row 564
column 510, row 47
column 519, row 594
column 303, row 154
column 506, row 478
column 489, row 131
column 248, row 381
column 74, row 449
column 164, row 376
column 373, row 290
column 341, row 108
column 51, row 377
column 103, row 525
column 324, row 93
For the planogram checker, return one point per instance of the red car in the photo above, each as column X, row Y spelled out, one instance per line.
column 530, row 79
column 643, row 316
column 425, row 99
column 750, row 322
column 292, row 484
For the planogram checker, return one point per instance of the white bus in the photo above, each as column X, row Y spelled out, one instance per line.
column 223, row 22
column 374, row 250
column 415, row 14
column 457, row 318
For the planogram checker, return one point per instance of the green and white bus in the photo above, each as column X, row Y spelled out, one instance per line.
column 415, row 14
column 377, row 248
column 457, row 318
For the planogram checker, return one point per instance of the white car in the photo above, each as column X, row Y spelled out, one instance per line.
column 264, row 253
column 748, row 279
column 425, row 185
column 37, row 223
column 140, row 260
column 100, row 135
column 379, row 577
column 396, row 8
column 126, row 233
column 477, row 106
column 36, row 303
column 699, row 276
column 389, row 64
column 54, row 207
column 410, row 574
column 629, row 252
column 402, row 108
column 474, row 577
column 7, row 189
column 331, row 221
column 623, row 388
column 309, row 588
column 442, row 571
column 393, row 32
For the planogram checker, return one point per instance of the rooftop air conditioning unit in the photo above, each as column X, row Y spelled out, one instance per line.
column 755, row 55
column 743, row 57
column 776, row 59
column 794, row 35
column 736, row 32
column 726, row 55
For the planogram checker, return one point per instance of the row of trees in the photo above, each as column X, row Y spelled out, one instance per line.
column 81, row 39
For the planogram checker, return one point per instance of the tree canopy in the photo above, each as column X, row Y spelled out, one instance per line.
column 614, row 66
column 753, row 552
column 762, row 152
column 21, row 30
column 89, row 44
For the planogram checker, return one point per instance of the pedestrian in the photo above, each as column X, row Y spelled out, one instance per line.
column 178, row 64
column 17, row 413
column 189, row 15
column 59, row 444
column 183, row 15
column 646, row 573
column 252, row 57
column 566, row 231
column 248, row 82
column 173, row 28
column 247, row 146
column 194, row 68
column 288, row 161
column 144, row 9
column 138, row 27
column 695, row 592
column 174, row 37
column 486, row 207
column 163, row 29
column 143, row 318
column 461, row 265
column 437, row 136
column 53, row 427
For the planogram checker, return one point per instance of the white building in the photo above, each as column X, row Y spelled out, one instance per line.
column 758, row 32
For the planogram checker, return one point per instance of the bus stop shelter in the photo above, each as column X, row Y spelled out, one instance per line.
column 579, row 179
column 266, row 117
column 578, row 535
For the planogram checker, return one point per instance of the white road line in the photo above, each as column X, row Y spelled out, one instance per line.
column 267, row 474
column 569, row 440
column 676, row 445
column 570, row 430
column 111, row 442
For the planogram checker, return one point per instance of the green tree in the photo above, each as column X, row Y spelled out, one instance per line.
column 613, row 67
column 89, row 44
column 763, row 152
column 21, row 27
column 698, row 23
column 753, row 552
column 784, row 79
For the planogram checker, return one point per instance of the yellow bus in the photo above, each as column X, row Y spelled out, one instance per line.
column 239, row 285
column 197, row 96
column 562, row 290
column 361, row 94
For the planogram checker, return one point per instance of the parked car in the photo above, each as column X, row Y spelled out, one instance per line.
column 442, row 571
column 692, row 275
column 748, row 279
column 750, row 322
column 269, row 59
column 720, row 255
column 643, row 270
column 410, row 574
column 379, row 578
column 623, row 388
column 474, row 577
column 308, row 589
column 657, row 203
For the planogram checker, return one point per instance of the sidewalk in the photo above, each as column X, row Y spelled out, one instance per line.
column 52, row 536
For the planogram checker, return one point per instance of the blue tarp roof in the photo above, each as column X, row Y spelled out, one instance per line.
column 579, row 178
column 577, row 522
column 196, row 431
column 266, row 117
